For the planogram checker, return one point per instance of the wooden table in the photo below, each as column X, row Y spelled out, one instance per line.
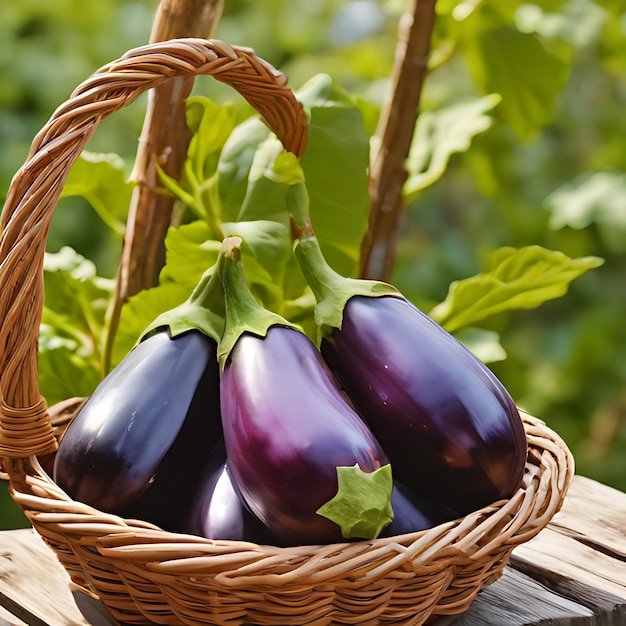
column 572, row 573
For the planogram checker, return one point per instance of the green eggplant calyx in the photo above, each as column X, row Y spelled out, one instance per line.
column 202, row 311
column 243, row 313
column 331, row 290
column 362, row 506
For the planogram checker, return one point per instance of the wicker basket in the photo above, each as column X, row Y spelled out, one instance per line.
column 146, row 575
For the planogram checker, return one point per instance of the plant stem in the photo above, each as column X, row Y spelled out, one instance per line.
column 243, row 313
column 395, row 131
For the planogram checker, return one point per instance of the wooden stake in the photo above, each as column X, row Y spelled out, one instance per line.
column 395, row 131
column 164, row 140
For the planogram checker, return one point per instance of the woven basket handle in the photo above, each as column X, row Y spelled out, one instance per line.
column 25, row 427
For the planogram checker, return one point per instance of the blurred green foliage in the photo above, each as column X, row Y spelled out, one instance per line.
column 546, row 167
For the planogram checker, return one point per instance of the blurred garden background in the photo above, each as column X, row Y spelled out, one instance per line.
column 532, row 97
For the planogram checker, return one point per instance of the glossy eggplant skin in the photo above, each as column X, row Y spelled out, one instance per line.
column 136, row 445
column 448, row 426
column 287, row 427
column 217, row 511
column 412, row 512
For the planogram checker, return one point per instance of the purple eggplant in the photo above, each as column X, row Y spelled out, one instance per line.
column 412, row 512
column 295, row 446
column 448, row 426
column 139, row 442
column 217, row 511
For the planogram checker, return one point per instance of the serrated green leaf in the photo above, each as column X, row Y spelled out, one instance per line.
column 362, row 506
column 101, row 179
column 441, row 133
column 75, row 292
column 515, row 279
column 524, row 70
column 190, row 251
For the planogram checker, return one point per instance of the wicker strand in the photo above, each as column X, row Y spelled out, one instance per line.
column 38, row 184
column 25, row 429
column 146, row 575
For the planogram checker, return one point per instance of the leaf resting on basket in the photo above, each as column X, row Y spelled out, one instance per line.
column 357, row 487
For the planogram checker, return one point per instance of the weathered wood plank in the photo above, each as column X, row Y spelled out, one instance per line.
column 582, row 553
column 594, row 514
column 518, row 600
column 574, row 570
column 36, row 589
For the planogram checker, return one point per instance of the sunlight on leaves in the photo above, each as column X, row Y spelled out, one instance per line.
column 515, row 279
column 72, row 325
column 525, row 71
column 599, row 199
column 102, row 181
column 441, row 133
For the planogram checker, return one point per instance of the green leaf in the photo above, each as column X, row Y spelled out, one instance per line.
column 526, row 71
column 515, row 279
column 599, row 199
column 267, row 184
column 322, row 90
column 190, row 251
column 484, row 344
column 255, row 174
column 362, row 506
column 102, row 181
column 235, row 163
column 211, row 125
column 64, row 370
column 189, row 254
column 439, row 134
column 140, row 311
column 335, row 166
column 75, row 292
column 72, row 327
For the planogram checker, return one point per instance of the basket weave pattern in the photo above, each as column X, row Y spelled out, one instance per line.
column 146, row 575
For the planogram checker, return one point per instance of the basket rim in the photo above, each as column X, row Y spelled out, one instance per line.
column 107, row 553
column 24, row 421
column 549, row 472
